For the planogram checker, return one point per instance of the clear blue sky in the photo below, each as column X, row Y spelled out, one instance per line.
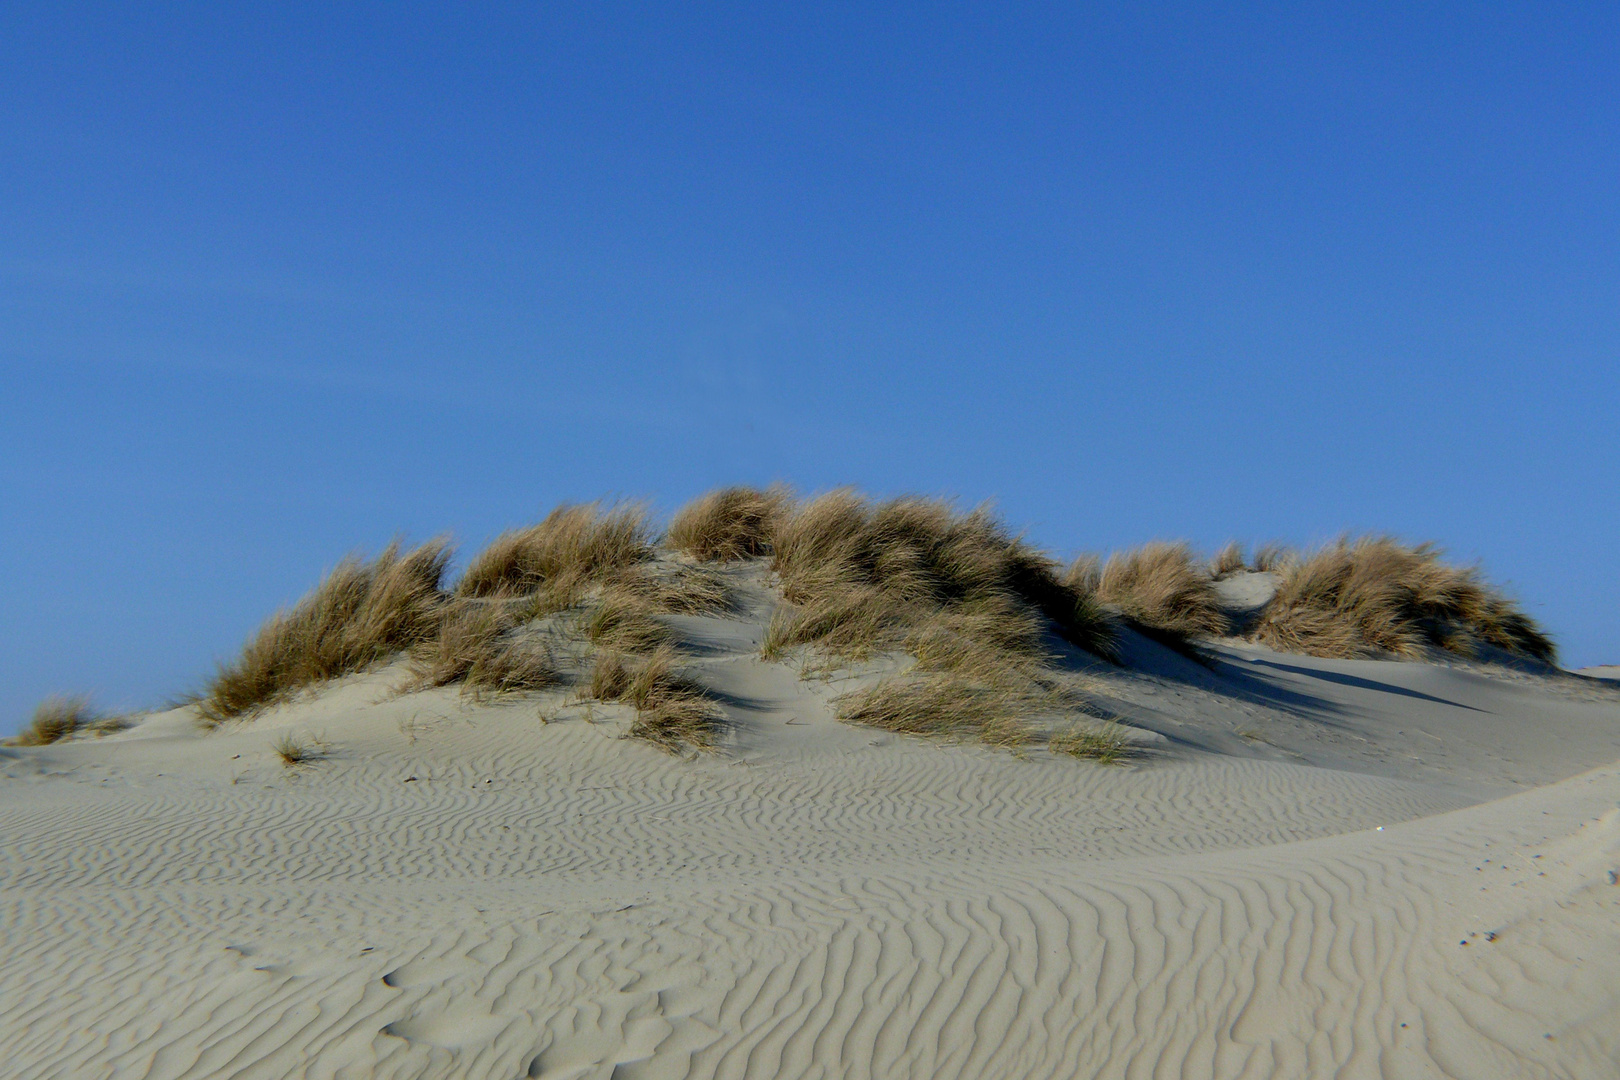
column 281, row 281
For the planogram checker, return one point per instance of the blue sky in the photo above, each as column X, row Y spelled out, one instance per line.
column 278, row 282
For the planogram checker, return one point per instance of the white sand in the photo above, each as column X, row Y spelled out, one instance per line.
column 467, row 891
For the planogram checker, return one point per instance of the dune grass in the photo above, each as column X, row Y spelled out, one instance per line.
column 974, row 605
column 1272, row 558
column 674, row 590
column 1106, row 744
column 864, row 572
column 948, row 707
column 673, row 712
column 625, row 621
column 483, row 646
column 57, row 718
column 1228, row 561
column 295, row 752
column 360, row 614
column 1376, row 595
column 966, row 708
column 1162, row 587
column 572, row 546
column 579, row 556
column 970, row 602
column 990, row 642
column 730, row 524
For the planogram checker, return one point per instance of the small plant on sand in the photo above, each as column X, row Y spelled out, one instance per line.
column 571, row 547
column 294, row 752
column 1161, row 587
column 865, row 572
column 1106, row 744
column 1228, row 561
column 991, row 642
column 674, row 590
column 625, row 621
column 729, row 524
column 672, row 711
column 482, row 646
column 1273, row 558
column 362, row 613
column 851, row 622
column 58, row 718
column 1374, row 594
column 935, row 706
column 779, row 634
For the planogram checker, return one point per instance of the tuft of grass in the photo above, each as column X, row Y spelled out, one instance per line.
column 1106, row 744
column 674, row 723
column 360, row 614
column 780, row 634
column 57, row 718
column 1376, row 595
column 469, row 633
column 572, row 545
column 730, row 524
column 948, row 705
column 971, row 602
column 483, row 646
column 294, row 752
column 1084, row 575
column 1161, row 587
column 992, row 642
column 626, row 621
column 1273, row 558
column 851, row 622
column 610, row 675
column 1229, row 560
column 859, row 568
column 938, row 706
column 672, row 711
column 558, row 594
column 677, row 590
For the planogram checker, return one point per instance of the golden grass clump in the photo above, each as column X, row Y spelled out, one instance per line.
column 482, row 646
column 1228, row 561
column 991, row 642
column 361, row 613
column 626, row 621
column 610, row 675
column 672, row 711
column 730, row 524
column 677, row 590
column 1106, row 744
column 57, row 718
column 862, row 572
column 294, row 752
column 971, row 603
column 573, row 545
column 1273, row 558
column 1161, row 587
column 848, row 621
column 675, row 723
column 948, row 707
column 1375, row 594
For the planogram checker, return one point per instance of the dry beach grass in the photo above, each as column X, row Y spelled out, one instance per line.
column 362, row 613
column 975, row 608
column 1374, row 594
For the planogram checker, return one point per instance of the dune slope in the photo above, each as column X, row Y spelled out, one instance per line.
column 1309, row 868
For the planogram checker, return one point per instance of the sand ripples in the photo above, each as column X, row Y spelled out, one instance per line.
column 573, row 907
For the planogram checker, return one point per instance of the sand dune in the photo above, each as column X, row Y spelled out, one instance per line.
column 1345, row 868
